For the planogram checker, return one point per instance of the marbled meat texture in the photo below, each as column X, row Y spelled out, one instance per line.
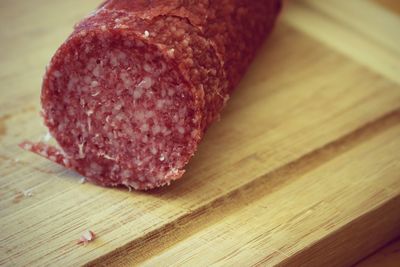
column 131, row 92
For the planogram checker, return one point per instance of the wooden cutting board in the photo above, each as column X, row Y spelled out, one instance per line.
column 303, row 168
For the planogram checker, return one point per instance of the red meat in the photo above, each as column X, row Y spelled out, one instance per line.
column 131, row 92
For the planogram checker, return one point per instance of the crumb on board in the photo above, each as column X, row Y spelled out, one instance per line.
column 87, row 236
column 21, row 194
column 28, row 193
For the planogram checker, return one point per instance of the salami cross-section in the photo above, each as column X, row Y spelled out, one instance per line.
column 131, row 92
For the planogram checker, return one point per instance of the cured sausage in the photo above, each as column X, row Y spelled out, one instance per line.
column 131, row 92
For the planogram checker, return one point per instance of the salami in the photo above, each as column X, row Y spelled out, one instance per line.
column 131, row 92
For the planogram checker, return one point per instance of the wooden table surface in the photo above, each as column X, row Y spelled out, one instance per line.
column 388, row 256
column 303, row 168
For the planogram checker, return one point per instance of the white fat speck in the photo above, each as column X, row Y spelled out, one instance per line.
column 140, row 115
column 89, row 123
column 181, row 130
column 160, row 104
column 57, row 74
column 162, row 158
column 171, row 92
column 96, row 71
column 120, row 117
column 138, row 162
column 97, row 93
column 153, row 150
column 146, row 83
column 146, row 34
column 147, row 67
column 149, row 114
column 186, row 42
column 61, row 127
column 117, row 20
column 174, row 171
column 171, row 52
column 94, row 83
column 125, row 79
column 165, row 131
column 113, row 60
column 82, row 180
column 81, row 152
column 89, row 112
column 180, row 32
column 137, row 93
column 108, row 119
column 118, row 105
column 144, row 127
column 121, row 26
column 109, row 157
column 156, row 129
column 27, row 146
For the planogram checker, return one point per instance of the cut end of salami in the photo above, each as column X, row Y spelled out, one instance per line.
column 131, row 92
column 120, row 110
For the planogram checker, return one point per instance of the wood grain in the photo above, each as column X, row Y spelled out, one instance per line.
column 304, row 160
column 391, row 5
column 286, row 235
column 388, row 256
column 362, row 30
